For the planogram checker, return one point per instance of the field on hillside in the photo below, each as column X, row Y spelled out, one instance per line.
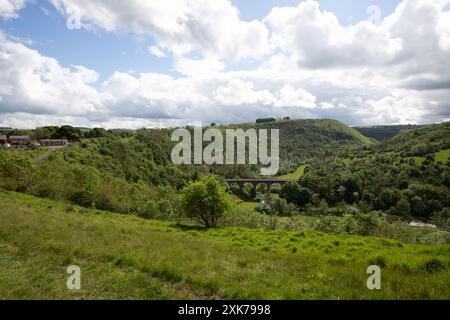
column 442, row 156
column 294, row 175
column 124, row 257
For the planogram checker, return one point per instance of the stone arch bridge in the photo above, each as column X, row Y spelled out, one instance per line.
column 256, row 182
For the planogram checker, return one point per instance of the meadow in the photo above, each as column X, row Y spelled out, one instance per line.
column 294, row 175
column 124, row 257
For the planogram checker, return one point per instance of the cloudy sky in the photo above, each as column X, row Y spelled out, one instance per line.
column 136, row 63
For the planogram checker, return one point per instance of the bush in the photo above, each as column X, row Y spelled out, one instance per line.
column 206, row 200
column 433, row 265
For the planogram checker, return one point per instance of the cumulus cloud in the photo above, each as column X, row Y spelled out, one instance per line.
column 180, row 26
column 202, row 67
column 9, row 8
column 318, row 40
column 157, row 52
column 32, row 83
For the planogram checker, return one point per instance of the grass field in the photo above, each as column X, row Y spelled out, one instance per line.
column 294, row 175
column 247, row 204
column 126, row 257
column 442, row 156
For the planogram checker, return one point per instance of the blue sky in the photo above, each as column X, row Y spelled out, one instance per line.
column 155, row 63
column 99, row 50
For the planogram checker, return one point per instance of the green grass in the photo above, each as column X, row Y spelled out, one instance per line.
column 443, row 156
column 294, row 175
column 337, row 125
column 247, row 204
column 418, row 160
column 125, row 257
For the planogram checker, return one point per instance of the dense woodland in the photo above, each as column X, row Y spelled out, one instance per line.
column 345, row 174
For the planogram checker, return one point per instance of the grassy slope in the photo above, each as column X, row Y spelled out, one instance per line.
column 339, row 126
column 442, row 156
column 384, row 132
column 294, row 175
column 126, row 257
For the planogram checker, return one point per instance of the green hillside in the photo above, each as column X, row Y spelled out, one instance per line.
column 124, row 257
column 303, row 141
column 406, row 176
column 420, row 142
column 384, row 132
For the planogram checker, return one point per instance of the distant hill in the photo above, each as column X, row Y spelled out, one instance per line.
column 384, row 132
column 302, row 141
column 407, row 175
column 145, row 154
column 132, row 171
column 420, row 141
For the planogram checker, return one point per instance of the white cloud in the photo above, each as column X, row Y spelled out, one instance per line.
column 35, row 84
column 195, row 68
column 317, row 39
column 179, row 26
column 295, row 97
column 157, row 52
column 9, row 8
column 394, row 72
column 238, row 92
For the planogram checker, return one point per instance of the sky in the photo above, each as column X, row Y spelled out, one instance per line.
column 136, row 63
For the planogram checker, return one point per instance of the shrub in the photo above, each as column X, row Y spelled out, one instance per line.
column 205, row 200
column 433, row 265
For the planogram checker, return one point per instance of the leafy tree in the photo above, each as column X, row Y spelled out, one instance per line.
column 97, row 133
column 388, row 198
column 49, row 132
column 205, row 200
column 17, row 171
column 290, row 191
column 402, row 208
column 248, row 191
column 69, row 132
column 304, row 196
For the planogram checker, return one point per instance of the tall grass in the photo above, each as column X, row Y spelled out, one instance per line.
column 125, row 257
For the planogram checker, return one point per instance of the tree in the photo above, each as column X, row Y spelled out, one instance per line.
column 293, row 193
column 205, row 200
column 69, row 132
column 388, row 198
column 263, row 120
column 97, row 133
column 304, row 196
column 50, row 132
column 248, row 191
column 290, row 191
column 402, row 208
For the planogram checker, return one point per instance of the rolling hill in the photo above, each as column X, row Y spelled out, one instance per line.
column 384, row 132
column 145, row 154
column 125, row 257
